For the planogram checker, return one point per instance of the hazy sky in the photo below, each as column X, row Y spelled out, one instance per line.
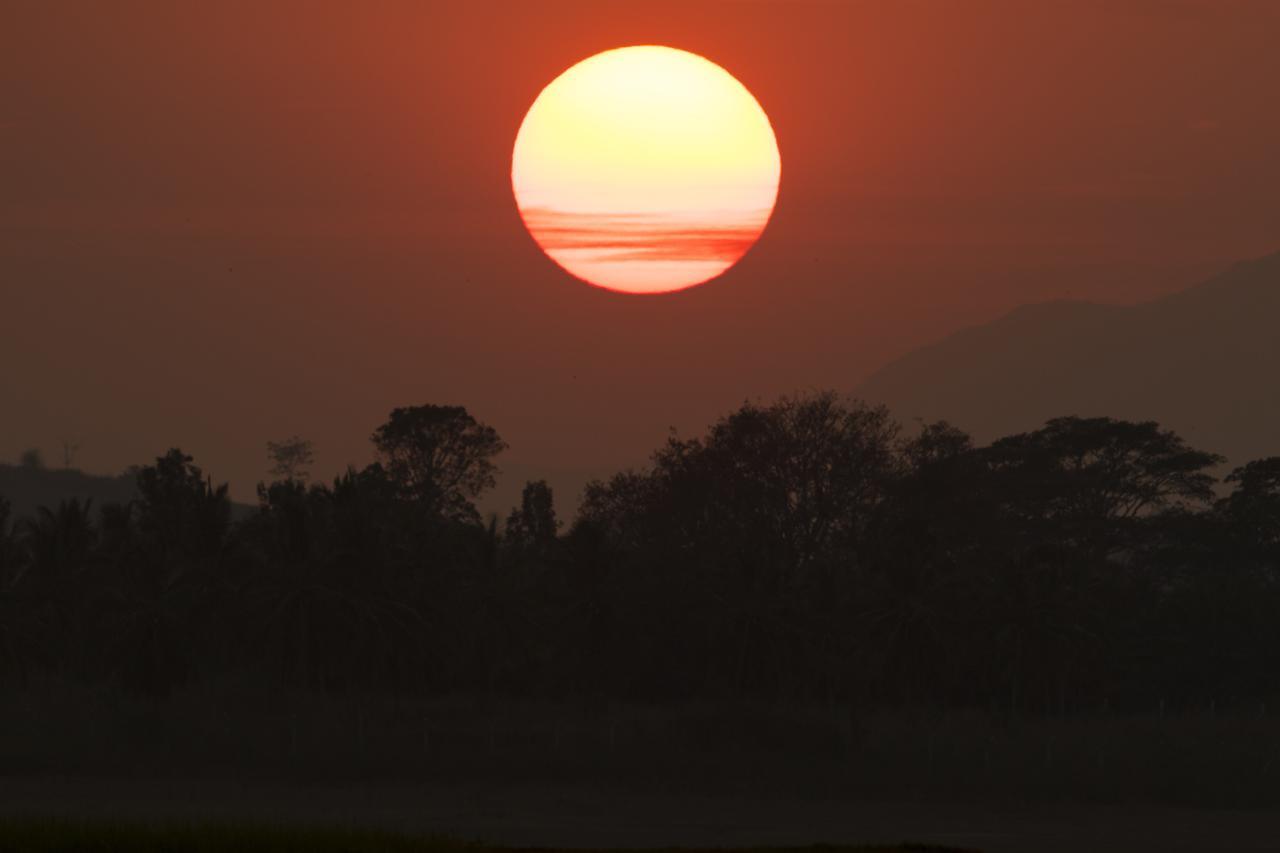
column 222, row 223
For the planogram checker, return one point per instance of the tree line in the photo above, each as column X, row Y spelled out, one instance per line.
column 809, row 550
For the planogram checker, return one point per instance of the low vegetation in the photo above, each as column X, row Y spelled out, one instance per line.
column 806, row 557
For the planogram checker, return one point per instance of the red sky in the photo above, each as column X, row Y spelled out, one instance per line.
column 222, row 223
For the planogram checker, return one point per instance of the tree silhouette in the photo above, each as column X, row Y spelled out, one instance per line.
column 802, row 550
column 439, row 457
column 1253, row 508
column 19, row 621
column 291, row 458
column 533, row 525
column 1093, row 480
column 9, row 553
column 58, row 542
column 183, row 522
column 323, row 609
column 178, row 508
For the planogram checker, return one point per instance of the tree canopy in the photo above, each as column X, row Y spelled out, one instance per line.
column 440, row 457
column 806, row 549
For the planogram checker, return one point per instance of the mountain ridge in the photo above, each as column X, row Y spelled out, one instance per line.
column 1179, row 359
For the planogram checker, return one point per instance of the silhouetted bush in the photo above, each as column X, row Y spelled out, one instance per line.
column 804, row 552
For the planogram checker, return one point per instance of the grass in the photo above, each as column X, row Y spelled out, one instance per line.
column 1223, row 758
column 48, row 835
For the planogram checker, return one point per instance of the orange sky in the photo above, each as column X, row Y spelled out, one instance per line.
column 233, row 222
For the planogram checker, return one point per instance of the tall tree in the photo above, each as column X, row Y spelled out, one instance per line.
column 59, row 541
column 9, row 554
column 439, row 457
column 1254, row 505
column 179, row 508
column 20, row 621
column 1090, row 482
column 532, row 526
column 791, row 483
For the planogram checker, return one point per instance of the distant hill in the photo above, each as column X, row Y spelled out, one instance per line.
column 28, row 488
column 1205, row 362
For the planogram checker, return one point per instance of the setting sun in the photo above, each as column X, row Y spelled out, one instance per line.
column 645, row 170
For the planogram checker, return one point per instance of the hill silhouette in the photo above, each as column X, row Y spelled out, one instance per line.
column 28, row 488
column 1199, row 361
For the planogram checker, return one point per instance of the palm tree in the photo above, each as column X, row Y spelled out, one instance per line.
column 19, row 647
column 58, row 542
column 58, row 545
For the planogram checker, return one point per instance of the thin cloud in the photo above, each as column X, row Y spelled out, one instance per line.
column 628, row 237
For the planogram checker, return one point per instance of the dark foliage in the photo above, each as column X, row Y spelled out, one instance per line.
column 803, row 551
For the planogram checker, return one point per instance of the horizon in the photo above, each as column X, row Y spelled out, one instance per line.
column 510, row 480
column 301, row 224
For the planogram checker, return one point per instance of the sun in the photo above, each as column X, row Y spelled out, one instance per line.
column 645, row 169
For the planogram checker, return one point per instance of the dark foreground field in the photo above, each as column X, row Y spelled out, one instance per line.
column 524, row 774
column 44, row 835
column 592, row 818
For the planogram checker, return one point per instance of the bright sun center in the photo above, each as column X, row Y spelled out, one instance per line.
column 645, row 170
